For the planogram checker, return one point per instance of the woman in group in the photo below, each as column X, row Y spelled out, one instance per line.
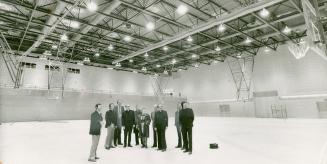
column 145, row 124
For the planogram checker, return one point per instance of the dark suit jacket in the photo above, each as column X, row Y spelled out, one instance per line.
column 95, row 126
column 111, row 118
column 186, row 117
column 128, row 118
column 161, row 119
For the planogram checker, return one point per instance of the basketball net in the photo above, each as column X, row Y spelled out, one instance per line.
column 299, row 50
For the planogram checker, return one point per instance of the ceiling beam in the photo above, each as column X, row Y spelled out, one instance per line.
column 53, row 21
column 204, row 26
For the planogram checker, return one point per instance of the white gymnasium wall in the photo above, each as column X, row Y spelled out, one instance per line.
column 34, row 105
column 275, row 70
column 90, row 78
column 84, row 90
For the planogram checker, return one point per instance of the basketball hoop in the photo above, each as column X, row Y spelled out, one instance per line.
column 299, row 50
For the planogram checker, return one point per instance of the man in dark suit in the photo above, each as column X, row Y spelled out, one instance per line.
column 161, row 124
column 128, row 120
column 95, row 131
column 155, row 136
column 118, row 110
column 111, row 122
column 186, row 118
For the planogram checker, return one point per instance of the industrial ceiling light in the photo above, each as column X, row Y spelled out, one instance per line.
column 86, row 59
column 43, row 57
column 6, row 7
column 221, row 28
column 150, row 26
column 194, row 56
column 70, row 23
column 64, row 38
column 146, row 55
column 79, row 63
column 196, row 65
column 247, row 40
column 127, row 38
column 174, row 61
column 217, row 49
column 131, row 60
column 287, row 30
column 156, row 74
column 134, row 71
column 179, row 69
column 110, row 47
column 189, row 39
column 165, row 72
column 215, row 62
column 181, row 9
column 267, row 49
column 239, row 56
column 54, row 47
column 264, row 13
column 110, row 68
column 118, row 65
column 47, row 53
column 165, row 48
column 158, row 65
column 97, row 54
column 144, row 69
column 92, row 6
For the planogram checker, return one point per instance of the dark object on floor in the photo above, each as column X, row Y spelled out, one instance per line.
column 214, row 146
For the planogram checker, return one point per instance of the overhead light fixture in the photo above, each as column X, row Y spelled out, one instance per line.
column 131, row 60
column 97, row 54
column 47, row 53
column 287, row 30
column 134, row 71
column 194, row 56
column 156, row 74
column 215, row 61
column 110, row 68
column 71, row 23
column 118, row 65
column 196, row 65
column 113, row 35
column 174, row 61
column 43, row 57
column 217, row 49
column 144, row 69
column 158, row 65
column 110, row 47
column 181, row 9
column 64, row 38
column 165, row 72
column 146, row 55
column 86, row 59
column 165, row 48
column 154, row 9
column 189, row 39
column 267, row 49
column 239, row 56
column 247, row 40
column 221, row 28
column 150, row 26
column 264, row 13
column 127, row 38
column 54, row 47
column 79, row 63
column 92, row 6
column 179, row 69
column 6, row 7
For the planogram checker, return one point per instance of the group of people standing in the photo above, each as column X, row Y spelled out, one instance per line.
column 120, row 118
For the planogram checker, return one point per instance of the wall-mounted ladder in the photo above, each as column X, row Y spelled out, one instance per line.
column 12, row 63
column 241, row 70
